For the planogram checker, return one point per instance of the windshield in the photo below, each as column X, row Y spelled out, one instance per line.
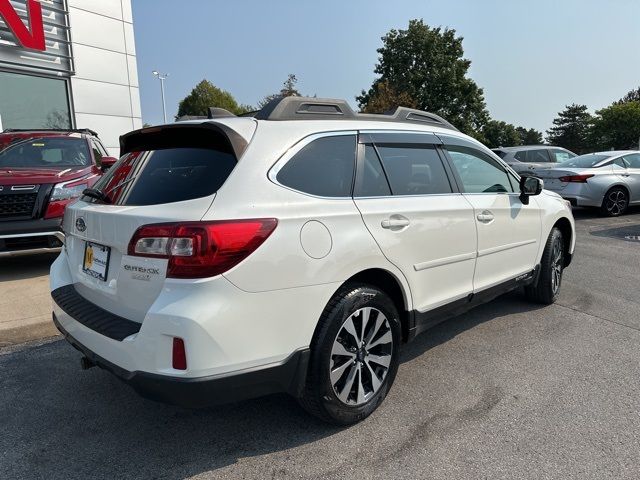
column 585, row 161
column 45, row 152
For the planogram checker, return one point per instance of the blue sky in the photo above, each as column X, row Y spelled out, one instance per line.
column 531, row 57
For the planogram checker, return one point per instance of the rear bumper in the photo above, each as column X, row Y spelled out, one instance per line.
column 29, row 237
column 287, row 376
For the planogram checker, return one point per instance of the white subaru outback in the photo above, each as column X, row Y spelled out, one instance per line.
column 295, row 251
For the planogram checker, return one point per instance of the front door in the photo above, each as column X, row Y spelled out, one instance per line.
column 410, row 204
column 508, row 231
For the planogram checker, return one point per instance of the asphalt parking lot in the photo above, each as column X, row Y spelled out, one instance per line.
column 509, row 390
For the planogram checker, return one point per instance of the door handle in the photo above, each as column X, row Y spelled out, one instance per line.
column 395, row 222
column 485, row 217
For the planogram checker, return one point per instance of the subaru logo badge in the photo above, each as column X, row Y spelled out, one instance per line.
column 80, row 225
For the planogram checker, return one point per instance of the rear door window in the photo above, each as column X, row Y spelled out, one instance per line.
column 324, row 167
column 533, row 156
column 633, row 160
column 372, row 182
column 414, row 169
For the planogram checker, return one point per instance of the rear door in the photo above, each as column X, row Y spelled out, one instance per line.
column 411, row 206
column 632, row 175
column 535, row 159
column 508, row 230
column 165, row 175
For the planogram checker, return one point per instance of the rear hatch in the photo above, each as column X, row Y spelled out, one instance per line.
column 165, row 174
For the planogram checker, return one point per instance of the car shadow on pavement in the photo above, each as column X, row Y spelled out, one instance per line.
column 61, row 422
column 23, row 268
column 594, row 213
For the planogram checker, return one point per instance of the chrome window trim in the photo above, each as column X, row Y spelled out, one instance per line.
column 299, row 145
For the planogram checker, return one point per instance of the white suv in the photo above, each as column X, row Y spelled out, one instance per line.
column 295, row 251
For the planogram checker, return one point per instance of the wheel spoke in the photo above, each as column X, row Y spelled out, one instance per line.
column 336, row 373
column 339, row 349
column 361, row 393
column 380, row 319
column 351, row 328
column 346, row 389
column 384, row 360
column 366, row 313
column 384, row 339
column 375, row 381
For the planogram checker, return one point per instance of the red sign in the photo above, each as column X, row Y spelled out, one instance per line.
column 29, row 37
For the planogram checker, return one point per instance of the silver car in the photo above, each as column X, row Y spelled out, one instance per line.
column 529, row 159
column 607, row 180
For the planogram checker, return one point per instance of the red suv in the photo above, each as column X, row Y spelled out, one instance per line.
column 41, row 171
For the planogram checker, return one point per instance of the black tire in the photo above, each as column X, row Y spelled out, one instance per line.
column 350, row 303
column 547, row 287
column 615, row 202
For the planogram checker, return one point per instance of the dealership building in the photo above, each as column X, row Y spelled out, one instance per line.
column 69, row 64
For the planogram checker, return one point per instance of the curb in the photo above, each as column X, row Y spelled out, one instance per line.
column 27, row 332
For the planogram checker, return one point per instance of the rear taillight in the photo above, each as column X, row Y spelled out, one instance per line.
column 575, row 178
column 201, row 249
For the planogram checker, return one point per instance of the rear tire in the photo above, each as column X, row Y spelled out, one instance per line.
column 547, row 287
column 615, row 202
column 352, row 366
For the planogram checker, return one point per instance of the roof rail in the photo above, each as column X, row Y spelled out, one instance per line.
column 308, row 108
column 66, row 130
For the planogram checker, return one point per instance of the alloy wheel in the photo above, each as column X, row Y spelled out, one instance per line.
column 361, row 356
column 556, row 266
column 616, row 202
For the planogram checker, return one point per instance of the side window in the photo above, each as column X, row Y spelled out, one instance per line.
column 98, row 152
column 372, row 182
column 633, row 160
column 414, row 170
column 560, row 155
column 479, row 172
column 621, row 162
column 323, row 167
column 533, row 156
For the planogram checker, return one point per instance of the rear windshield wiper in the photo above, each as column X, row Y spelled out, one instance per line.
column 97, row 194
column 104, row 196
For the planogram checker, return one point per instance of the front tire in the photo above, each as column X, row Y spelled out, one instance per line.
column 547, row 288
column 615, row 202
column 354, row 355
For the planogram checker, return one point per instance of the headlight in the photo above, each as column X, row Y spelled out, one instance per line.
column 68, row 190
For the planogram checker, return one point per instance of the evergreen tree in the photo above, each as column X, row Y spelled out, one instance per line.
column 572, row 129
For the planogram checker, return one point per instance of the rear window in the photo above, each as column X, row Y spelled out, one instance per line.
column 585, row 161
column 176, row 166
column 44, row 152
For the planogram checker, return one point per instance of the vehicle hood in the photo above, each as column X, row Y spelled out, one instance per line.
column 22, row 176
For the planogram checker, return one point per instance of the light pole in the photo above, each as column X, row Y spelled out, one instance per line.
column 162, row 77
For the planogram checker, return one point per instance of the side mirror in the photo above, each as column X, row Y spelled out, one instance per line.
column 107, row 162
column 530, row 186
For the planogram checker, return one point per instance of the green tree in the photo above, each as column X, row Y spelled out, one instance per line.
column 288, row 90
column 386, row 99
column 205, row 95
column 500, row 134
column 428, row 64
column 632, row 96
column 572, row 129
column 530, row 136
column 617, row 126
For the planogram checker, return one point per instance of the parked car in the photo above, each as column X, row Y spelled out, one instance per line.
column 609, row 181
column 41, row 171
column 532, row 158
column 295, row 251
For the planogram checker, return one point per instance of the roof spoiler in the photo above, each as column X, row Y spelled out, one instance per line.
column 158, row 138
